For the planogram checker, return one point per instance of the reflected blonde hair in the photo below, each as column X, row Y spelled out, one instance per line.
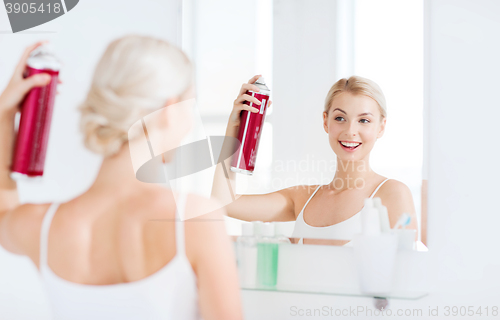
column 357, row 85
column 135, row 76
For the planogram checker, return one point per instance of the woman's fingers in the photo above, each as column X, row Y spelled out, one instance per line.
column 246, row 107
column 254, row 78
column 249, row 98
column 247, row 86
column 21, row 65
column 252, row 87
column 240, row 105
column 37, row 80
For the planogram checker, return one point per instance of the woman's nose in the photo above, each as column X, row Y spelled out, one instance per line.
column 352, row 129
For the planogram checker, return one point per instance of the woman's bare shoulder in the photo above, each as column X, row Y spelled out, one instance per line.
column 394, row 187
column 201, row 207
column 301, row 192
column 27, row 215
column 22, row 228
column 397, row 197
column 195, row 205
column 205, row 227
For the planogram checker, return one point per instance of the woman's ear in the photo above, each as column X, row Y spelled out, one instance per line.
column 325, row 121
column 382, row 128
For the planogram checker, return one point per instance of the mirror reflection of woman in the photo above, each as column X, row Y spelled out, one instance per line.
column 120, row 249
column 354, row 118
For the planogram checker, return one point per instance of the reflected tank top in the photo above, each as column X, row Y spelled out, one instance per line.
column 344, row 230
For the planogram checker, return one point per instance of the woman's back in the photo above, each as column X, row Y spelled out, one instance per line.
column 108, row 268
column 106, row 239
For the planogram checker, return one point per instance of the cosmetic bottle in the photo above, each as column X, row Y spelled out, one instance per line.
column 246, row 252
column 257, row 229
column 267, row 257
column 370, row 219
column 279, row 230
column 385, row 225
column 374, row 252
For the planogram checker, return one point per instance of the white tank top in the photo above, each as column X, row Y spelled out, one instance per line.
column 169, row 293
column 344, row 230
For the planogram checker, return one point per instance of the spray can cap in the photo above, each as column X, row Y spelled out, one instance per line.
column 268, row 229
column 261, row 80
column 261, row 84
column 247, row 229
column 43, row 58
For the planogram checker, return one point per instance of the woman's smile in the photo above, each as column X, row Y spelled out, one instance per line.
column 349, row 146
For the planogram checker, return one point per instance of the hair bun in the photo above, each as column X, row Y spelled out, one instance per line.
column 135, row 76
column 99, row 136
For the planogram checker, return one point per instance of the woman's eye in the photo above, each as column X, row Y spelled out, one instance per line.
column 364, row 121
column 339, row 118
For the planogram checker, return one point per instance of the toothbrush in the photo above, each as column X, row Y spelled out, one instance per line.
column 403, row 221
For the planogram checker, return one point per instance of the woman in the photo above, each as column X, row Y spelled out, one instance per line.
column 118, row 251
column 354, row 118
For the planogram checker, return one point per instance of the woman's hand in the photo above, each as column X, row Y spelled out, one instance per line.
column 239, row 105
column 18, row 86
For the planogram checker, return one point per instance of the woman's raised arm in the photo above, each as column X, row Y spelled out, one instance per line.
column 19, row 225
column 275, row 206
column 10, row 100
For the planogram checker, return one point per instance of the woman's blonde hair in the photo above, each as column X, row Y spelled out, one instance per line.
column 135, row 76
column 357, row 85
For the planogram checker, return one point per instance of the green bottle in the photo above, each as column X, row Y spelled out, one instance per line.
column 267, row 258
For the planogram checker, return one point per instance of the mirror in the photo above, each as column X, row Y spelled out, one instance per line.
column 302, row 50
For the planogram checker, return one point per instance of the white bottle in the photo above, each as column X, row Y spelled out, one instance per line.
column 279, row 230
column 257, row 229
column 385, row 225
column 246, row 252
column 370, row 219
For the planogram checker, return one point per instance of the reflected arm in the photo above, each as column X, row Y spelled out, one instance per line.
column 275, row 206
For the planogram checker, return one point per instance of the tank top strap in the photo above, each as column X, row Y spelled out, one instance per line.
column 374, row 192
column 44, row 232
column 312, row 195
column 179, row 223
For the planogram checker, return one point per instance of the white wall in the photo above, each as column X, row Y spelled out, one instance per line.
column 389, row 50
column 463, row 107
column 79, row 38
column 304, row 61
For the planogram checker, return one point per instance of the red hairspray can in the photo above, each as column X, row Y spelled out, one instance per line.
column 250, row 130
column 36, row 114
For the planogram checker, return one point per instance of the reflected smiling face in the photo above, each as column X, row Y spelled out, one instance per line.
column 353, row 124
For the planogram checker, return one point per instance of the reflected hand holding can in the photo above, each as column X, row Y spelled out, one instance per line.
column 250, row 130
column 36, row 115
